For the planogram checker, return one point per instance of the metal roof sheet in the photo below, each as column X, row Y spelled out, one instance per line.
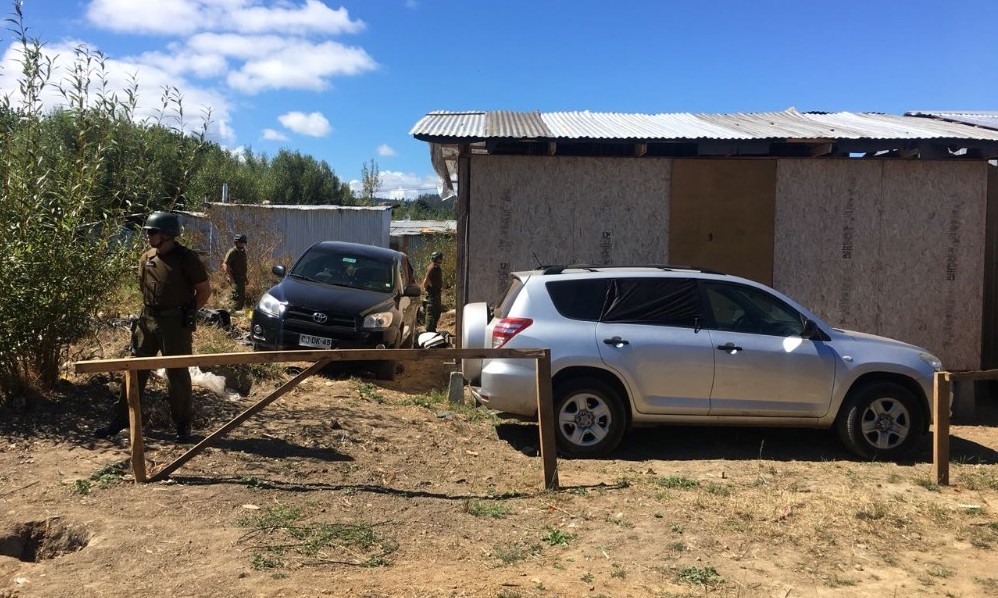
column 416, row 227
column 977, row 118
column 787, row 125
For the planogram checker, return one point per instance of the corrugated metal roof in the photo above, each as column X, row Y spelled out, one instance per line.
column 419, row 227
column 978, row 118
column 788, row 125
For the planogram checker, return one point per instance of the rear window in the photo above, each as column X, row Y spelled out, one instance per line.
column 656, row 301
column 506, row 301
column 579, row 299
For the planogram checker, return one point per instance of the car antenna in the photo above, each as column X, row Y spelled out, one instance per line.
column 536, row 259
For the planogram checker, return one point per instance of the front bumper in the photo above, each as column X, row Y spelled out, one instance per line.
column 275, row 334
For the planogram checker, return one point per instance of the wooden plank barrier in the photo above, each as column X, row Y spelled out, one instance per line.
column 321, row 357
column 942, row 391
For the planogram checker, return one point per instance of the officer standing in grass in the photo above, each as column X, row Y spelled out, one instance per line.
column 433, row 283
column 234, row 266
column 174, row 285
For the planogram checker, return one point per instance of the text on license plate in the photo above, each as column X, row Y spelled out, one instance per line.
column 319, row 342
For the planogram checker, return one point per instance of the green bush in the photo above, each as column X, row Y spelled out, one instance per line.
column 68, row 178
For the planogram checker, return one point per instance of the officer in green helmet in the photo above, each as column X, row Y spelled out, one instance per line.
column 174, row 286
column 234, row 266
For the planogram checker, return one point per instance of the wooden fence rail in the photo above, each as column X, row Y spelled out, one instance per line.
column 321, row 357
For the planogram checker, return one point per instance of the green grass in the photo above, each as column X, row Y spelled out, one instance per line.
column 111, row 473
column 701, row 576
column 980, row 479
column 287, row 535
column 678, row 481
column 493, row 509
column 927, row 484
column 556, row 537
column 515, row 553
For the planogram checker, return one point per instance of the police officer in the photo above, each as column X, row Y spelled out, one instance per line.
column 234, row 266
column 174, row 286
column 433, row 283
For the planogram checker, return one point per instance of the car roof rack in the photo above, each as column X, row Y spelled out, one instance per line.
column 558, row 269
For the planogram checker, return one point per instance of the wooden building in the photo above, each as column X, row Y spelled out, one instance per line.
column 879, row 223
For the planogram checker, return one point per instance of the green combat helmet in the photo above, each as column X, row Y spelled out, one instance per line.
column 165, row 222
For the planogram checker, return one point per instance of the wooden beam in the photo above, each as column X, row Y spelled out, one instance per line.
column 162, row 473
column 552, row 148
column 178, row 361
column 640, row 149
column 940, row 428
column 135, row 426
column 545, row 421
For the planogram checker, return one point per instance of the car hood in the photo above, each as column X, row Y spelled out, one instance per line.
column 873, row 339
column 318, row 296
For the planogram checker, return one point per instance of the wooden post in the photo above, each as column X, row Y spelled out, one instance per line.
column 545, row 421
column 940, row 430
column 135, row 425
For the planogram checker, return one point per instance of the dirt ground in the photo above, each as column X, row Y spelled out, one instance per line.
column 351, row 487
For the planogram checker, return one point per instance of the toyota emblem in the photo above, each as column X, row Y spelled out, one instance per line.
column 319, row 317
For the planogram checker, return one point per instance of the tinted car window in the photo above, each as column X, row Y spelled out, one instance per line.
column 660, row 301
column 740, row 308
column 579, row 299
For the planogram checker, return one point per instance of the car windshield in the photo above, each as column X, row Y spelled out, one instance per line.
column 345, row 270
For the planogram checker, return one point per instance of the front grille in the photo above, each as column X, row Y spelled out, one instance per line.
column 334, row 320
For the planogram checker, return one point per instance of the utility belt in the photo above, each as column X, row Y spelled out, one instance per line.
column 158, row 312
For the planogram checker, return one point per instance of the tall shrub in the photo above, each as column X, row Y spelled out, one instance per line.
column 66, row 184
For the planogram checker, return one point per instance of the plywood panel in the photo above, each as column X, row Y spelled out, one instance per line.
column 535, row 210
column 722, row 216
column 890, row 247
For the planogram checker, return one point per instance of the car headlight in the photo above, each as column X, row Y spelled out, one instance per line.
column 270, row 305
column 378, row 321
column 932, row 360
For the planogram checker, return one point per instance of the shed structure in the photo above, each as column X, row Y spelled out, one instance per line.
column 880, row 223
column 286, row 231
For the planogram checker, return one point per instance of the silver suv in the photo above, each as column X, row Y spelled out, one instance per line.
column 650, row 345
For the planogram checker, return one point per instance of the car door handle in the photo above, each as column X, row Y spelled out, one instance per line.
column 729, row 348
column 616, row 341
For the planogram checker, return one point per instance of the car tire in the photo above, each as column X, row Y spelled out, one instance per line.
column 475, row 319
column 882, row 420
column 385, row 370
column 589, row 417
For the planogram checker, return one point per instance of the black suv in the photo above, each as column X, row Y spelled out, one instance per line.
column 340, row 295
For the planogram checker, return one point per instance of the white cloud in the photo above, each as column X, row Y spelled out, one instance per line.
column 385, row 150
column 149, row 81
column 272, row 135
column 183, row 17
column 314, row 124
column 300, row 65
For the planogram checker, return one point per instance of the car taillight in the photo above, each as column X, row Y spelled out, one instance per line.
column 507, row 328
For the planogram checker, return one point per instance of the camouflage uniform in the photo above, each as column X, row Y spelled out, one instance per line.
column 433, row 284
column 166, row 325
column 235, row 263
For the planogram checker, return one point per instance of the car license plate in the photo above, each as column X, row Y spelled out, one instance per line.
column 319, row 342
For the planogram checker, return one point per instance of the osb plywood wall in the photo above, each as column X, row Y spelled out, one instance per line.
column 563, row 210
column 889, row 247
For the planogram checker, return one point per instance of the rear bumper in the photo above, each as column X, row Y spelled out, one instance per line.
column 508, row 385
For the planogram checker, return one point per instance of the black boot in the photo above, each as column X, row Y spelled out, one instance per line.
column 183, row 432
column 109, row 430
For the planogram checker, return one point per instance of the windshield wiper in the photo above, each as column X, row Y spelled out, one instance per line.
column 303, row 277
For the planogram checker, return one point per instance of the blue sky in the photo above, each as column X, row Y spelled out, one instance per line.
column 346, row 81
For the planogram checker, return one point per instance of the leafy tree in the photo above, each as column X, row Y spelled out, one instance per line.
column 66, row 181
column 301, row 179
column 370, row 178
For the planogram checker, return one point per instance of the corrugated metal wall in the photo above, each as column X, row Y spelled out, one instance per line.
column 889, row 247
column 287, row 231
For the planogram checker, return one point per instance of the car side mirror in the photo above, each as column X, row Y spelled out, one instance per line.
column 412, row 290
column 812, row 332
column 278, row 271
